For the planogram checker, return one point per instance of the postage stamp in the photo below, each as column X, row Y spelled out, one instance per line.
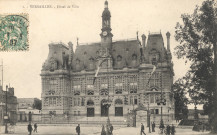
column 14, row 32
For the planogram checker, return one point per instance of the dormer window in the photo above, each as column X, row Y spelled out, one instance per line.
column 119, row 58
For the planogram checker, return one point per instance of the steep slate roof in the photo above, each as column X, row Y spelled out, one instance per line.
column 125, row 53
column 126, row 49
column 83, row 53
column 123, row 49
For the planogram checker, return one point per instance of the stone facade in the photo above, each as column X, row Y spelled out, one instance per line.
column 72, row 89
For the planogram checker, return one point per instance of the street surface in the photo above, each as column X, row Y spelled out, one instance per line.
column 94, row 130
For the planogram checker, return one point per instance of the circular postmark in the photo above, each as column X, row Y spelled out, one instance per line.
column 14, row 33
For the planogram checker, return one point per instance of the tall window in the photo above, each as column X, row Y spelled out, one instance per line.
column 152, row 98
column 118, row 84
column 53, row 86
column 133, row 100
column 118, row 88
column 155, row 80
column 76, row 101
column 133, row 84
column 90, row 90
column 77, row 89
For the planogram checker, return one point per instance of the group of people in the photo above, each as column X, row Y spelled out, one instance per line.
column 29, row 128
column 143, row 128
column 170, row 130
column 109, row 129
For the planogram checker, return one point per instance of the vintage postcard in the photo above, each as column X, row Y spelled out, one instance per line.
column 97, row 67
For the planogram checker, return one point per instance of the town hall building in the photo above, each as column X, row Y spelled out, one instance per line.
column 128, row 74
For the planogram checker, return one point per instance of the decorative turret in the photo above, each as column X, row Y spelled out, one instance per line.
column 70, row 52
column 168, row 41
column 106, row 35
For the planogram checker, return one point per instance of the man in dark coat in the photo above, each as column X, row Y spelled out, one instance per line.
column 153, row 127
column 111, row 129
column 173, row 130
column 29, row 127
column 168, row 129
column 35, row 127
column 142, row 129
column 103, row 130
column 78, row 129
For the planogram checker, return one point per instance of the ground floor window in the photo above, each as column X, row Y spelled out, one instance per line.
column 118, row 111
column 90, row 112
column 156, row 111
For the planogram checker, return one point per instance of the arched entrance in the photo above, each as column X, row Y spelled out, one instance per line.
column 118, row 107
column 104, row 108
column 90, row 108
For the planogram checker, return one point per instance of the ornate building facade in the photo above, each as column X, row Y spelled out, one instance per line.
column 73, row 91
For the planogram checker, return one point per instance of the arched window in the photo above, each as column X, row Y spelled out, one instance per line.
column 90, row 103
column 118, row 102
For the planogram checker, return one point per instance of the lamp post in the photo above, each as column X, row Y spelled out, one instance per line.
column 148, row 121
column 108, row 104
column 6, row 108
column 161, row 102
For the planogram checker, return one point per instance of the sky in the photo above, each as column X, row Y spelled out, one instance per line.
column 83, row 20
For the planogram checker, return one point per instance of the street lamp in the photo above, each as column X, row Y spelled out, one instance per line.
column 6, row 116
column 107, row 103
column 161, row 102
column 148, row 119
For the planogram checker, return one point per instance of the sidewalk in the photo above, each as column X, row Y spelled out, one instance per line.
column 70, row 130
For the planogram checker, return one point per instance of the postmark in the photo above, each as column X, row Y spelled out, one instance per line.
column 14, row 32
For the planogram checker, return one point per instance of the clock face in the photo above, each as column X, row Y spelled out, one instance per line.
column 104, row 33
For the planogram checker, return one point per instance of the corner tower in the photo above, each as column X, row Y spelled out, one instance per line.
column 106, row 35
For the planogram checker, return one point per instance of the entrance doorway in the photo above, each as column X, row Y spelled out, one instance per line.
column 118, row 111
column 90, row 112
column 104, row 108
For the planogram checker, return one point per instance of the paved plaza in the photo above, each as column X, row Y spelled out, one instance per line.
column 92, row 130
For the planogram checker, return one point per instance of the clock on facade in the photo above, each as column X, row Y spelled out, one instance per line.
column 104, row 33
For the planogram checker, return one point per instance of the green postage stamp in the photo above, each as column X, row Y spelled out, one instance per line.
column 14, row 32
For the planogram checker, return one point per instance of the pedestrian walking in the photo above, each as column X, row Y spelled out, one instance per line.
column 111, row 129
column 142, row 129
column 153, row 127
column 35, row 127
column 103, row 130
column 168, row 130
column 78, row 130
column 173, row 130
column 29, row 127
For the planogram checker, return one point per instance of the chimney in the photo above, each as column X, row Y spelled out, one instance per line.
column 70, row 52
column 143, row 40
column 168, row 41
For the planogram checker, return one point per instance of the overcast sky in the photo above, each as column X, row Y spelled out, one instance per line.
column 22, row 69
